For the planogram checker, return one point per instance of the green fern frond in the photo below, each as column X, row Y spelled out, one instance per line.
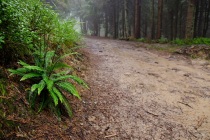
column 30, row 75
column 59, row 65
column 67, row 106
column 41, row 85
column 20, row 71
column 62, row 78
column 54, row 97
column 75, row 78
column 59, row 94
column 69, row 87
column 31, row 98
column 50, row 84
column 23, row 63
column 34, row 68
column 62, row 73
column 48, row 58
column 79, row 81
column 34, row 87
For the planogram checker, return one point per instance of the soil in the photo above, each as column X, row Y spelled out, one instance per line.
column 140, row 94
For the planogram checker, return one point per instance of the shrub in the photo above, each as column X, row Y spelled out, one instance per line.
column 30, row 28
column 141, row 40
column 163, row 40
column 49, row 83
column 24, row 22
column 178, row 41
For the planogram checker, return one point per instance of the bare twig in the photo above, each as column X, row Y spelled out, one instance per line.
column 151, row 113
column 113, row 135
column 200, row 122
column 3, row 97
column 185, row 104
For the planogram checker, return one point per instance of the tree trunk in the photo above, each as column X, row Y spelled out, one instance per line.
column 126, row 18
column 200, row 19
column 153, row 21
column 196, row 21
column 172, row 24
column 176, row 16
column 190, row 19
column 206, row 23
column 137, row 19
column 106, row 24
column 160, row 15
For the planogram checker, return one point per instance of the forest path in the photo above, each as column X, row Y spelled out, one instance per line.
column 137, row 94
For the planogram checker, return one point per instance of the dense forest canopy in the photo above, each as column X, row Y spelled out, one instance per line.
column 152, row 19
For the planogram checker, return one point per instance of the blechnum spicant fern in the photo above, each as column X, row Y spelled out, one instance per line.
column 50, row 82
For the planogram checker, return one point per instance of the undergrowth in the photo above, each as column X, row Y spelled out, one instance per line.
column 34, row 34
column 194, row 41
column 163, row 40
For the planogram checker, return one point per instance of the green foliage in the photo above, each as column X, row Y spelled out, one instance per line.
column 1, row 41
column 49, row 83
column 28, row 24
column 141, row 40
column 31, row 31
column 5, row 107
column 163, row 40
column 195, row 41
column 178, row 41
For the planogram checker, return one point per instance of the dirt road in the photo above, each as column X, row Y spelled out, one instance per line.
column 139, row 95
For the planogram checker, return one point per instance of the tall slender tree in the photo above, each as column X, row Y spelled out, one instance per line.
column 160, row 15
column 153, row 20
column 137, row 19
column 190, row 19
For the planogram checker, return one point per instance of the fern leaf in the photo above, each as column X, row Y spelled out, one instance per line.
column 69, row 87
column 31, row 99
column 68, row 108
column 79, row 81
column 62, row 73
column 23, row 63
column 29, row 75
column 34, row 68
column 48, row 57
column 50, row 89
column 58, row 93
column 20, row 71
column 34, row 87
column 75, row 78
column 59, row 65
column 42, row 85
column 60, row 78
column 54, row 97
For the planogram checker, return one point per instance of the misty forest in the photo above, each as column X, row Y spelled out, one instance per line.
column 105, row 69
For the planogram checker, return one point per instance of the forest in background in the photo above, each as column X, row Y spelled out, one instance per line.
column 151, row 19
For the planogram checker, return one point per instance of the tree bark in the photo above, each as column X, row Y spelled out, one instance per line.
column 206, row 23
column 190, row 19
column 160, row 16
column 137, row 19
column 153, row 21
column 126, row 18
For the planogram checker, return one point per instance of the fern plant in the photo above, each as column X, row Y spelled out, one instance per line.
column 50, row 83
